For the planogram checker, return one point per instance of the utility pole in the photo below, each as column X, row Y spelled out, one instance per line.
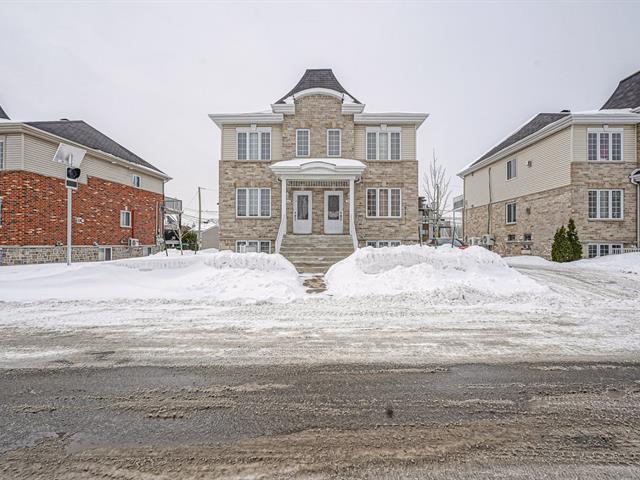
column 199, row 219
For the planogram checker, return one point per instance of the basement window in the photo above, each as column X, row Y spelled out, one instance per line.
column 105, row 254
column 255, row 246
column 603, row 249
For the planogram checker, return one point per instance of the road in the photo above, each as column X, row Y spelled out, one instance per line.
column 352, row 421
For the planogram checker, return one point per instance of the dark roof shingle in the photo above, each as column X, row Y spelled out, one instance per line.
column 81, row 132
column 536, row 124
column 626, row 95
column 318, row 78
column 3, row 114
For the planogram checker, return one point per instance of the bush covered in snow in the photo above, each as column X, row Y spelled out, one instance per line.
column 415, row 268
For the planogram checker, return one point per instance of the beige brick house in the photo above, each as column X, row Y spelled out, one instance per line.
column 580, row 165
column 315, row 176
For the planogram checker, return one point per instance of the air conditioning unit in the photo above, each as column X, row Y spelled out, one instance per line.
column 134, row 242
column 488, row 240
column 474, row 241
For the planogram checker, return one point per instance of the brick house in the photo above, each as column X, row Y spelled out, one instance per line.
column 116, row 208
column 315, row 176
column 558, row 166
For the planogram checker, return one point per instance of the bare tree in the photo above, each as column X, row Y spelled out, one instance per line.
column 435, row 185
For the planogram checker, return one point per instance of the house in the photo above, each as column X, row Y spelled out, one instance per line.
column 558, row 166
column 116, row 208
column 209, row 237
column 316, row 176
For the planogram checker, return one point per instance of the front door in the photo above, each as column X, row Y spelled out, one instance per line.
column 333, row 212
column 302, row 212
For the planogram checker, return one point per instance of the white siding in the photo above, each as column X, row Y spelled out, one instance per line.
column 229, row 146
column 407, row 147
column 38, row 156
column 629, row 153
column 550, row 168
column 12, row 151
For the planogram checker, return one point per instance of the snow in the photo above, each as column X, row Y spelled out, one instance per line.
column 212, row 275
column 625, row 263
column 338, row 162
column 447, row 271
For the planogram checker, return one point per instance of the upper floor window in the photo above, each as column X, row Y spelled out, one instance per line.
column 253, row 202
column 383, row 202
column 1, row 155
column 125, row 218
column 512, row 169
column 253, row 144
column 302, row 142
column 383, row 143
column 606, row 204
column 334, row 142
column 510, row 212
column 137, row 181
column 604, row 144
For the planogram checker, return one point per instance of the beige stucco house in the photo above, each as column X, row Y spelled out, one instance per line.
column 579, row 165
column 316, row 176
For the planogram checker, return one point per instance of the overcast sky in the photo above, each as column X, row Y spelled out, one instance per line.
column 148, row 73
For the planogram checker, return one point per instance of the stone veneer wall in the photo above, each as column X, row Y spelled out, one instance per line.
column 18, row 255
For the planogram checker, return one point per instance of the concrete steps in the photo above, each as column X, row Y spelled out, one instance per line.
column 315, row 253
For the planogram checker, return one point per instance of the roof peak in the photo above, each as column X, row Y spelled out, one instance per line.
column 626, row 94
column 317, row 78
column 3, row 114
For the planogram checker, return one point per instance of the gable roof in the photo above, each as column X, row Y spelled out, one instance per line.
column 626, row 95
column 317, row 78
column 3, row 114
column 534, row 125
column 81, row 132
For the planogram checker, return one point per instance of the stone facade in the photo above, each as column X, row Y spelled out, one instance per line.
column 317, row 113
column 34, row 217
column 13, row 255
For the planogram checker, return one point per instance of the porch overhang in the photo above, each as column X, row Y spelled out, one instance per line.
column 319, row 169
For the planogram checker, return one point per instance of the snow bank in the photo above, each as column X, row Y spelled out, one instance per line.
column 215, row 276
column 528, row 261
column 449, row 272
column 628, row 263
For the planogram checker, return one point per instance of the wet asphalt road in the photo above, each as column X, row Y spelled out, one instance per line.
column 579, row 420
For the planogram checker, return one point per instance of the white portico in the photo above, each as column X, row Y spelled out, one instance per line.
column 332, row 174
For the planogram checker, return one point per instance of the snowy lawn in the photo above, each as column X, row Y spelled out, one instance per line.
column 403, row 304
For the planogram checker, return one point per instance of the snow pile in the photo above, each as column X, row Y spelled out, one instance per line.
column 213, row 276
column 628, row 263
column 445, row 271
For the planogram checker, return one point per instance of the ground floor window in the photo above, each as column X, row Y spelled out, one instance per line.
column 384, row 202
column 146, row 251
column 246, row 246
column 602, row 249
column 383, row 243
column 105, row 254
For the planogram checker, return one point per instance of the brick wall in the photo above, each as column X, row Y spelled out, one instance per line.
column 35, row 206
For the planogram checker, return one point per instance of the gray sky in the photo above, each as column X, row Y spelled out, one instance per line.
column 148, row 73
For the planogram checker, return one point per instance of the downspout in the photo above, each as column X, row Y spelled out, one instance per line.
column 635, row 179
column 283, row 214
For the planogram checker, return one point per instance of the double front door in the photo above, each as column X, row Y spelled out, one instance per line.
column 303, row 212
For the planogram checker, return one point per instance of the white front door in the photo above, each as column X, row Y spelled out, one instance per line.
column 302, row 212
column 333, row 212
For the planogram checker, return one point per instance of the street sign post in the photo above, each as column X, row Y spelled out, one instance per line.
column 71, row 157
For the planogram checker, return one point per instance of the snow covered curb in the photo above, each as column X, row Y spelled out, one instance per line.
column 445, row 271
column 210, row 275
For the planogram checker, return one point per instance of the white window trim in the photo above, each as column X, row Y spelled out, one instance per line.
column 102, row 253
column 376, row 243
column 609, row 244
column 506, row 213
column 139, row 182
column 257, row 241
column 513, row 162
column 308, row 142
column 259, row 202
column 258, row 130
column 122, row 224
column 377, row 131
column 377, row 189
column 609, row 218
column 339, row 141
column 598, row 131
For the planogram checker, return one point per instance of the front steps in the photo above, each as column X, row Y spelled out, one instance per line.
column 315, row 253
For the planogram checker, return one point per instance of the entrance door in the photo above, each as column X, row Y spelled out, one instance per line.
column 302, row 212
column 333, row 212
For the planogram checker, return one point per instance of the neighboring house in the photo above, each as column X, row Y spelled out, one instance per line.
column 210, row 237
column 556, row 167
column 116, row 208
column 315, row 177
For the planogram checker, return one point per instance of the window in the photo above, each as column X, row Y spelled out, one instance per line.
column 253, row 202
column 510, row 212
column 602, row 249
column 383, row 202
column 511, row 237
column 383, row 144
column 105, row 254
column 333, row 142
column 255, row 246
column 125, row 218
column 302, row 142
column 383, row 243
column 604, row 145
column 512, row 169
column 137, row 181
column 1, row 155
column 605, row 204
column 527, row 237
column 146, row 251
column 253, row 144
